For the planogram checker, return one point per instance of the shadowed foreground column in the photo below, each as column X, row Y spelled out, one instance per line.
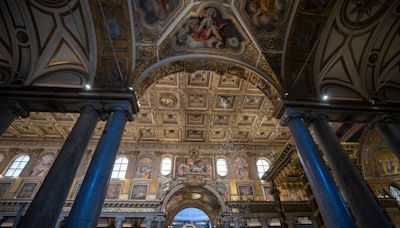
column 8, row 113
column 329, row 200
column 46, row 207
column 354, row 188
column 89, row 202
column 390, row 132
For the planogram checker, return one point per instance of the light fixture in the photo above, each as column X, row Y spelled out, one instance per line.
column 88, row 86
column 130, row 88
column 325, row 97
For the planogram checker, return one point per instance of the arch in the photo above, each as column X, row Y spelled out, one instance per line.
column 163, row 163
column 120, row 167
column 262, row 76
column 221, row 166
column 15, row 169
column 173, row 191
column 76, row 78
column 263, row 165
column 194, row 205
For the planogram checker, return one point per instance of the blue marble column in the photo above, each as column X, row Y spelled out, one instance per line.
column 149, row 221
column 46, row 207
column 8, row 113
column 329, row 200
column 226, row 222
column 390, row 133
column 89, row 201
column 354, row 189
column 160, row 221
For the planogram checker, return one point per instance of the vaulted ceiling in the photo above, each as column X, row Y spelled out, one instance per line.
column 291, row 50
column 287, row 50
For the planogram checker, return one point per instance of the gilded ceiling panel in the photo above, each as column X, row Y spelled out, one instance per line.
column 181, row 108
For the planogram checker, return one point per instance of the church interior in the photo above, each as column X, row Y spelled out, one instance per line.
column 199, row 113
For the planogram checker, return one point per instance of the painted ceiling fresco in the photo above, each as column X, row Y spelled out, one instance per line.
column 208, row 29
column 304, row 48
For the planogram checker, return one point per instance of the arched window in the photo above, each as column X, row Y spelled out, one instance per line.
column 222, row 167
column 166, row 166
column 17, row 166
column 395, row 191
column 120, row 167
column 262, row 167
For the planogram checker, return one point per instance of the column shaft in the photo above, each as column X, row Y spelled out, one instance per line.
column 119, row 222
column 264, row 222
column 149, row 222
column 390, row 134
column 330, row 202
column 236, row 222
column 90, row 199
column 278, row 206
column 7, row 117
column 49, row 200
column 59, row 222
column 354, row 188
column 159, row 224
column 226, row 224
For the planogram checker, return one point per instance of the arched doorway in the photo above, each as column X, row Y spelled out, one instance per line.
column 191, row 217
column 204, row 199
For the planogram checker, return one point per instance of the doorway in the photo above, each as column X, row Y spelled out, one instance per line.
column 191, row 218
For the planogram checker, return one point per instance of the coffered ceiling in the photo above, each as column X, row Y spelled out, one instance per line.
column 197, row 107
column 205, row 106
column 293, row 51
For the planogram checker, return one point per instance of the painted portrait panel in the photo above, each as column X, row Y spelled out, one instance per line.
column 42, row 166
column 266, row 15
column 268, row 193
column 139, row 191
column 241, row 169
column 245, row 190
column 157, row 11
column 113, row 191
column 144, row 167
column 209, row 29
column 4, row 188
column 186, row 166
column 26, row 190
column 114, row 21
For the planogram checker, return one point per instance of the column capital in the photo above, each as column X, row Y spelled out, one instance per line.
column 290, row 114
column 317, row 115
column 384, row 119
column 160, row 218
column 120, row 106
column 226, row 219
column 16, row 106
column 119, row 219
column 149, row 218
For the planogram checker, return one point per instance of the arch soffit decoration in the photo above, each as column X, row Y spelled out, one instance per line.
column 163, row 54
column 173, row 191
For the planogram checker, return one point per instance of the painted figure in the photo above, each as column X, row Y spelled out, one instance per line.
column 265, row 14
column 193, row 166
column 209, row 30
column 241, row 170
column 144, row 168
column 42, row 166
